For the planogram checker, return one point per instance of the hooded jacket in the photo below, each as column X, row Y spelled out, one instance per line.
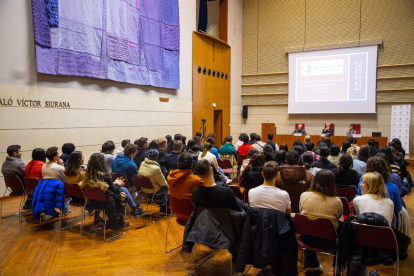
column 151, row 169
column 253, row 179
column 140, row 157
column 124, row 165
column 181, row 183
column 172, row 159
column 295, row 180
column 49, row 194
column 13, row 166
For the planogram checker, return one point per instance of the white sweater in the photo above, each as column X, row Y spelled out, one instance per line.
column 51, row 170
column 368, row 203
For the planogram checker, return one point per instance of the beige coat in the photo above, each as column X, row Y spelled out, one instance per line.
column 151, row 169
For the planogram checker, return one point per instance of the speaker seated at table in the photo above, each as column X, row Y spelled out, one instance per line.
column 329, row 129
column 354, row 129
column 300, row 128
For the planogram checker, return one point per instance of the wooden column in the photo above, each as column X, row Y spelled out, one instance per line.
column 223, row 17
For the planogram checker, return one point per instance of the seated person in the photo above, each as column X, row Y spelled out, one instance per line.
column 357, row 164
column 182, row 181
column 395, row 167
column 307, row 159
column 267, row 195
column 252, row 138
column 210, row 194
column 162, row 157
column 268, row 153
column 243, row 149
column 323, row 162
column 310, row 147
column 352, row 141
column 283, row 147
column 228, row 148
column 321, row 202
column 327, row 129
column 13, row 164
column 334, row 154
column 152, row 170
column 108, row 153
column 120, row 150
column 97, row 176
column 274, row 145
column 363, row 154
column 307, row 139
column 344, row 174
column 345, row 146
column 300, row 130
column 75, row 173
column 34, row 167
column 142, row 153
column 172, row 158
column 194, row 149
column 240, row 142
column 280, row 158
column 206, row 154
column 53, row 169
column 259, row 142
column 170, row 143
column 67, row 149
column 246, row 161
column 252, row 174
column 153, row 145
column 351, row 130
column 372, row 147
column 214, row 149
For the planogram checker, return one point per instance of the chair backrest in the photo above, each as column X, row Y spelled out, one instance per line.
column 316, row 227
column 142, row 182
column 115, row 176
column 240, row 159
column 358, row 128
column 224, row 164
column 297, row 125
column 379, row 237
column 236, row 191
column 349, row 192
column 182, row 208
column 95, row 194
column 73, row 190
column 14, row 183
column 246, row 195
column 345, row 205
column 295, row 190
column 31, row 183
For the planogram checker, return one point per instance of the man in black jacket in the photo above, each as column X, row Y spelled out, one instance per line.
column 372, row 149
column 252, row 138
column 162, row 157
column 327, row 129
column 142, row 144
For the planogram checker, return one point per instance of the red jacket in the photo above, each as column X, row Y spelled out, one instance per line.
column 36, row 170
column 243, row 150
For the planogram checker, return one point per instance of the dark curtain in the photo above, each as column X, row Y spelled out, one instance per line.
column 202, row 16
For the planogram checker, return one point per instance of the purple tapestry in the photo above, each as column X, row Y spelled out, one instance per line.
column 133, row 41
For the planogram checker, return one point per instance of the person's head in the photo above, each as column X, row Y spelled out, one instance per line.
column 379, row 165
column 125, row 142
column 383, row 156
column 324, row 152
column 153, row 154
column 363, row 151
column 39, row 154
column 334, row 151
column 284, row 147
column 210, row 140
column 308, row 138
column 269, row 171
column 298, row 149
column 168, row 137
column 178, row 137
column 207, row 147
column 142, row 143
column 153, row 145
column 280, row 157
column 393, row 144
column 197, row 139
column 307, row 160
column 322, row 145
column 310, row 146
column 183, row 138
column 268, row 150
column 251, row 152
column 324, row 183
column 345, row 146
column 195, row 148
column 96, row 167
column 388, row 152
column 300, row 127
column 52, row 154
column 198, row 134
column 327, row 141
column 185, row 161
column 68, row 148
column 376, row 144
column 292, row 157
column 211, row 135
column 371, row 142
column 297, row 143
column 257, row 160
column 351, row 139
column 345, row 162
column 178, row 146
column 131, row 150
column 398, row 142
column 108, row 147
column 244, row 138
column 253, row 136
column 162, row 143
column 75, row 161
column 228, row 139
column 352, row 151
column 373, row 184
column 327, row 125
column 270, row 136
column 258, row 138
column 14, row 150
column 351, row 127
column 203, row 169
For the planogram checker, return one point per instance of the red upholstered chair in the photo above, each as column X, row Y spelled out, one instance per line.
column 347, row 209
column 349, row 192
column 74, row 190
column 240, row 159
column 297, row 125
column 114, row 176
column 182, row 209
column 16, row 188
column 226, row 166
column 236, row 191
column 316, row 227
column 99, row 195
column 332, row 126
column 378, row 237
column 358, row 128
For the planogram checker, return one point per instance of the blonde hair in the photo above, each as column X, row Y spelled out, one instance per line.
column 308, row 138
column 375, row 185
column 161, row 142
column 352, row 151
column 206, row 148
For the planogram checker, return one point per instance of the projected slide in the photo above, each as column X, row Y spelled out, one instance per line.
column 345, row 79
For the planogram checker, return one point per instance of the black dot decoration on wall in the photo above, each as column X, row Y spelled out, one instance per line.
column 218, row 74
column 209, row 72
column 225, row 76
column 199, row 69
column 222, row 75
column 214, row 73
column 204, row 70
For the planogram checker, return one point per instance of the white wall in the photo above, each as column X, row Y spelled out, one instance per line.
column 100, row 110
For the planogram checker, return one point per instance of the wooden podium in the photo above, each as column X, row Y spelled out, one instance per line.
column 266, row 129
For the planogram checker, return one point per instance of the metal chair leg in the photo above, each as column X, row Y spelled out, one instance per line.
column 336, row 263
column 166, row 238
column 12, row 215
column 152, row 201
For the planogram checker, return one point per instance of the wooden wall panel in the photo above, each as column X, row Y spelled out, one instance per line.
column 214, row 54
